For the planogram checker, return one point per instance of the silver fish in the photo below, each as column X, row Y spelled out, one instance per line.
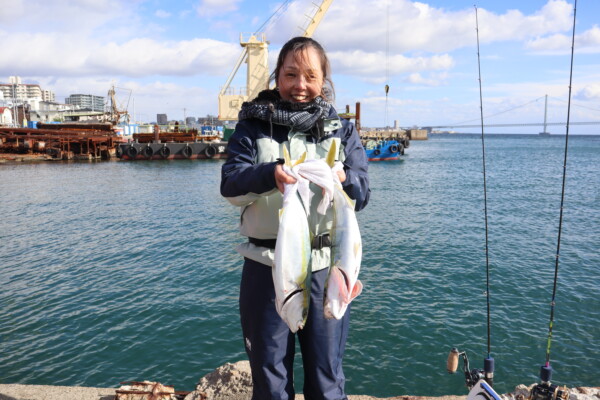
column 291, row 268
column 346, row 253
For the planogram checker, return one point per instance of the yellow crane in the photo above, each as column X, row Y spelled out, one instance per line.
column 255, row 53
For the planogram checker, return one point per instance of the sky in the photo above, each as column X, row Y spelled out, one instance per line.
column 173, row 56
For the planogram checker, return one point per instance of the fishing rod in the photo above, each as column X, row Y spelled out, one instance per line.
column 545, row 390
column 479, row 381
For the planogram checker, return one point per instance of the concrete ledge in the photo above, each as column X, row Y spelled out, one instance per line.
column 43, row 392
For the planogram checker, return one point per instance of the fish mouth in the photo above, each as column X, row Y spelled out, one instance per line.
column 345, row 276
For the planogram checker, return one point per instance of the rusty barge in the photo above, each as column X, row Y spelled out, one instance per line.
column 68, row 141
column 171, row 145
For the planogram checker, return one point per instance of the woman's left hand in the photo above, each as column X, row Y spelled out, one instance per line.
column 342, row 175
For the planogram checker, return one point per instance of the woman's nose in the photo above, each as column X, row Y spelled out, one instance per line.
column 300, row 82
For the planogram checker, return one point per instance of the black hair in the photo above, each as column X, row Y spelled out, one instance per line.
column 299, row 44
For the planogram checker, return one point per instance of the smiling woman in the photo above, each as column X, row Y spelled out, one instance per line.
column 296, row 118
column 303, row 72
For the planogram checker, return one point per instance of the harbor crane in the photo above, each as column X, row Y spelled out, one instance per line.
column 117, row 114
column 255, row 53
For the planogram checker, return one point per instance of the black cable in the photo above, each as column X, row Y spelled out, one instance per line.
column 487, row 263
column 501, row 112
column 562, row 197
column 285, row 4
column 576, row 105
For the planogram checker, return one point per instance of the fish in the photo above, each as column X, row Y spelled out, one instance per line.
column 291, row 266
column 342, row 285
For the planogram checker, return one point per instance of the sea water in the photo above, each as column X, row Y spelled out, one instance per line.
column 116, row 271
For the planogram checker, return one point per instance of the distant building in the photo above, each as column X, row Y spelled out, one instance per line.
column 161, row 119
column 190, row 121
column 5, row 116
column 17, row 92
column 48, row 95
column 86, row 102
column 49, row 111
column 211, row 120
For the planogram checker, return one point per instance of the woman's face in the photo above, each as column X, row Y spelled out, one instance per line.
column 301, row 77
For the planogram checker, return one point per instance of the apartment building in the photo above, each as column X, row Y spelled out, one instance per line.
column 17, row 92
column 86, row 102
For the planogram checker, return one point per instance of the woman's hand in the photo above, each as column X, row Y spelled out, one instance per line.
column 342, row 175
column 281, row 177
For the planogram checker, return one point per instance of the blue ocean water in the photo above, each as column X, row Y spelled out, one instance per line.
column 115, row 271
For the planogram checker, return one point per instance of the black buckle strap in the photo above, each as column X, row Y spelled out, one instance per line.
column 321, row 241
column 268, row 243
column 317, row 243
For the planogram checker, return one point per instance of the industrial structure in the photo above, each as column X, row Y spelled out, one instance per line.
column 255, row 53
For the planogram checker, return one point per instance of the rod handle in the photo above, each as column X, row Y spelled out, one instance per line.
column 452, row 363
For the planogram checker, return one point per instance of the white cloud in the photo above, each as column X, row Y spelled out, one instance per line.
column 9, row 14
column 586, row 42
column 373, row 38
column 146, row 57
column 434, row 80
column 162, row 14
column 417, row 27
column 62, row 15
column 209, row 8
column 66, row 55
column 363, row 63
column 589, row 92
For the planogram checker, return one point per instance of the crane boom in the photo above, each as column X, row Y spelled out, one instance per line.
column 255, row 54
column 316, row 18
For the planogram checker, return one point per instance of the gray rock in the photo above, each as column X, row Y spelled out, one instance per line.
column 230, row 381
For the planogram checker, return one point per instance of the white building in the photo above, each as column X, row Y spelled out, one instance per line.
column 86, row 102
column 48, row 111
column 17, row 92
column 5, row 116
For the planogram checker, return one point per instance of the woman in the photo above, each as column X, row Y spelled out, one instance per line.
column 296, row 114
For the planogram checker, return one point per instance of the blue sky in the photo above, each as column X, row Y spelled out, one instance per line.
column 174, row 56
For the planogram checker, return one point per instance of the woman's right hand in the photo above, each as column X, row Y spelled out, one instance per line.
column 281, row 177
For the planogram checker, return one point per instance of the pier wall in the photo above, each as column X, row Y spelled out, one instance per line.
column 417, row 134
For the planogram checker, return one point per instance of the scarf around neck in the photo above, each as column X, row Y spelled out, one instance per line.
column 302, row 117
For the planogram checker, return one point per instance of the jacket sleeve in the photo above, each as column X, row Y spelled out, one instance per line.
column 356, row 167
column 242, row 179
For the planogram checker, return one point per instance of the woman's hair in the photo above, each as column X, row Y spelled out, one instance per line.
column 297, row 45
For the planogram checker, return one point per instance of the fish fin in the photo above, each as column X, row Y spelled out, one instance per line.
column 356, row 290
column 286, row 156
column 330, row 160
column 301, row 159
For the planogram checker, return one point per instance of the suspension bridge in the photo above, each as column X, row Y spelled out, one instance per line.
column 471, row 124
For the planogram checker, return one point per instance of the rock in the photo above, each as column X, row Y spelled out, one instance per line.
column 522, row 392
column 226, row 382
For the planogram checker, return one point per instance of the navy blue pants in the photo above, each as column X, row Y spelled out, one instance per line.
column 270, row 344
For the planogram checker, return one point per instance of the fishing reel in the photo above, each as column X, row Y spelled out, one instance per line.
column 545, row 390
column 472, row 376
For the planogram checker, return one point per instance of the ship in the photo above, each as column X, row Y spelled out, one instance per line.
column 384, row 150
column 174, row 144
